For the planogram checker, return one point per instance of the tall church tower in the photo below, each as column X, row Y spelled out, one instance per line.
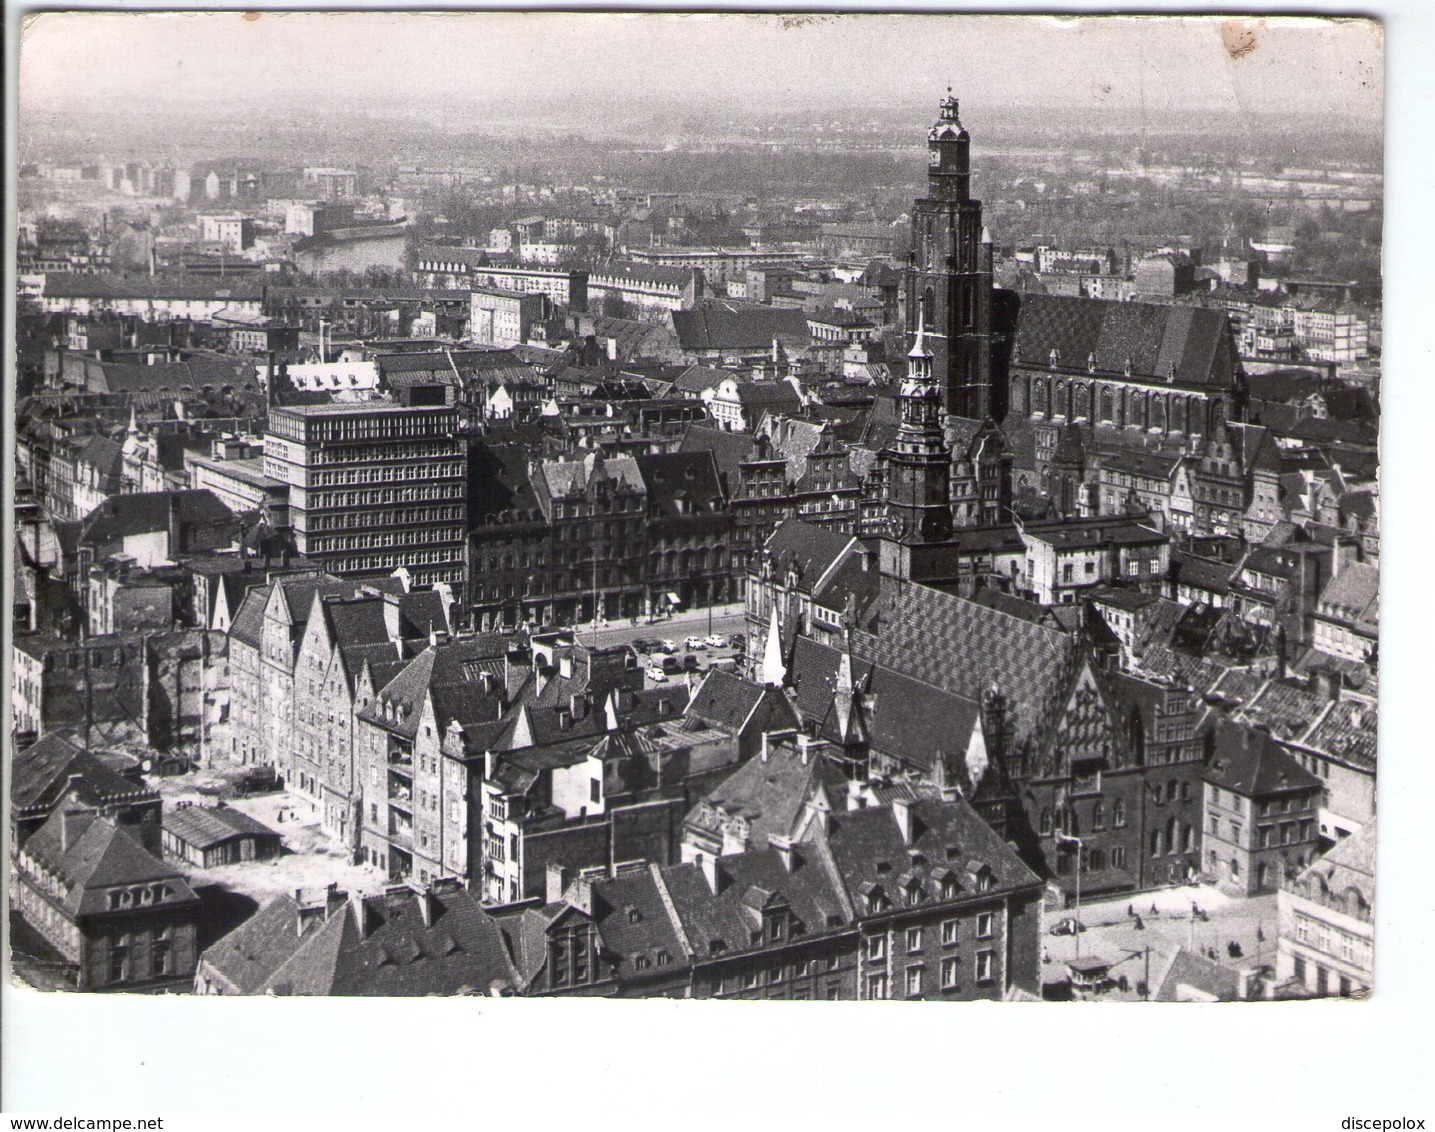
column 949, row 278
column 918, row 466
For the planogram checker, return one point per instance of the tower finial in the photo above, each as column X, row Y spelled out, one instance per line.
column 919, row 344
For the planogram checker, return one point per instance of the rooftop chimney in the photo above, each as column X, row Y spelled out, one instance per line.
column 902, row 811
column 391, row 616
column 176, row 544
column 555, row 881
column 713, row 872
column 783, row 845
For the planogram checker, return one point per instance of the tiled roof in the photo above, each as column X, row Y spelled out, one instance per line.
column 203, row 826
column 40, row 773
column 725, row 922
column 1204, row 976
column 390, row 948
column 729, row 449
column 100, row 855
column 963, row 647
column 717, row 328
column 947, row 838
column 1354, row 595
column 1251, row 763
column 727, row 701
column 768, row 792
column 1157, row 339
column 905, row 717
column 806, row 547
column 144, row 512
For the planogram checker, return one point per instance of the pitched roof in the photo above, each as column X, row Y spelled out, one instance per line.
column 144, row 512
column 727, row 701
column 1156, row 338
column 1206, row 977
column 964, row 648
column 41, row 772
column 388, row 946
column 769, row 792
column 948, row 838
column 1251, row 763
column 203, row 826
column 99, row 855
column 809, row 549
column 721, row 328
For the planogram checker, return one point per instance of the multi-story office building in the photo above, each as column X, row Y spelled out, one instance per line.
column 373, row 486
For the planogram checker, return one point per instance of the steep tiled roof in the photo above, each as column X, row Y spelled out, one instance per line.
column 1252, row 764
column 727, row 701
column 729, row 449
column 386, row 946
column 1354, row 595
column 963, row 647
column 806, row 547
column 768, row 792
column 724, row 923
column 144, row 512
column 905, row 717
column 947, row 838
column 97, row 856
column 1157, row 339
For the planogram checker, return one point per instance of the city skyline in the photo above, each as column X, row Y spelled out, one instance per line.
column 452, row 61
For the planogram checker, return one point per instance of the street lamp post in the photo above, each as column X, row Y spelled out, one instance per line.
column 1080, row 849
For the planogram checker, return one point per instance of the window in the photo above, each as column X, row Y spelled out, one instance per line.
column 950, row 970
column 877, row 986
column 986, row 966
column 1158, row 794
column 949, row 932
column 914, row 939
column 1118, row 814
column 1045, row 826
column 1118, row 857
column 876, row 947
column 986, row 924
column 595, row 791
column 1098, row 816
column 914, row 981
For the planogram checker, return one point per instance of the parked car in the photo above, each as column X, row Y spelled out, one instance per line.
column 724, row 664
column 657, row 676
column 1068, row 926
column 668, row 646
column 691, row 663
column 716, row 641
column 646, row 644
column 694, row 643
column 671, row 665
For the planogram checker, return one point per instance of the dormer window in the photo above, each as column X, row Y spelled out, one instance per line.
column 949, row 887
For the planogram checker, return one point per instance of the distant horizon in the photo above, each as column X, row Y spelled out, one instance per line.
column 741, row 66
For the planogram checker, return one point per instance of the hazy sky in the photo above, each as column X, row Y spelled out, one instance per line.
column 755, row 62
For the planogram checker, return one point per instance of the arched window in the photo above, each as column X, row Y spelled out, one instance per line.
column 1170, row 835
column 1158, row 412
column 1082, row 406
column 1098, row 816
column 1045, row 823
column 1040, row 398
column 1062, row 402
column 1107, row 402
column 1178, row 414
column 1155, row 843
column 1118, row 814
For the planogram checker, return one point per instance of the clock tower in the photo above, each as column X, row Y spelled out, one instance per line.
column 949, row 277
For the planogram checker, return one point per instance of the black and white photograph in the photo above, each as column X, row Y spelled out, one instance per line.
column 698, row 506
